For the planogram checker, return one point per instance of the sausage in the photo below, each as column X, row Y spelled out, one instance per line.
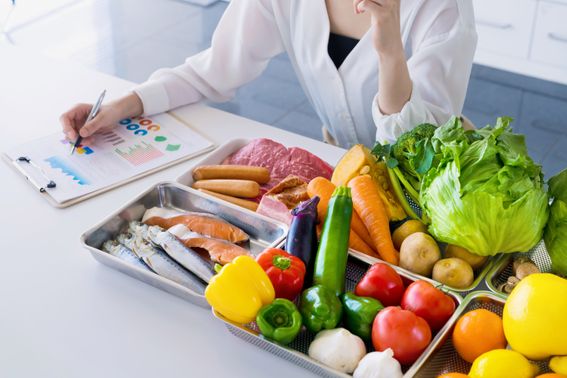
column 239, row 172
column 250, row 205
column 236, row 188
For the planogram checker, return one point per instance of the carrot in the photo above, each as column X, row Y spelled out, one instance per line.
column 323, row 188
column 354, row 242
column 369, row 206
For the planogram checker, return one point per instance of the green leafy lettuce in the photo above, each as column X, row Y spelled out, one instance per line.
column 484, row 193
column 555, row 235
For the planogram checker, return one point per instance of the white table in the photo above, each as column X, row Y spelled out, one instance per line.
column 62, row 314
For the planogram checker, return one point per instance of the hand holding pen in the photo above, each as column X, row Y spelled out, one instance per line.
column 74, row 121
column 92, row 114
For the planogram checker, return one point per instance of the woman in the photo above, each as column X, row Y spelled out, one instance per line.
column 372, row 69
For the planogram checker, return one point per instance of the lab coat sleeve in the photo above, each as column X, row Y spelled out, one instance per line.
column 439, row 69
column 243, row 43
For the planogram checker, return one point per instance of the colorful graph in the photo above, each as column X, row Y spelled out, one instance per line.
column 81, row 150
column 140, row 153
column 111, row 137
column 58, row 163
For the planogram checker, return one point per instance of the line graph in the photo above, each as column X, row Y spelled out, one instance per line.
column 58, row 163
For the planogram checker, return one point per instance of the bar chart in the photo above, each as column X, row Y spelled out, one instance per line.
column 139, row 154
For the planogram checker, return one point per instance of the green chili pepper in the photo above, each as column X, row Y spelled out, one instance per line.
column 331, row 258
column 320, row 308
column 279, row 321
column 359, row 314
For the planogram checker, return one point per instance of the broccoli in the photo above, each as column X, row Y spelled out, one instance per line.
column 414, row 152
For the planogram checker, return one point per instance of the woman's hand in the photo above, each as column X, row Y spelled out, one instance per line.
column 385, row 16
column 73, row 121
column 394, row 83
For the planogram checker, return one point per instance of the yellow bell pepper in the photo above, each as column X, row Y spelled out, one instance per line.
column 240, row 290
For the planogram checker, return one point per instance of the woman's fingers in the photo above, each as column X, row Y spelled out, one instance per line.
column 372, row 6
column 73, row 119
column 93, row 125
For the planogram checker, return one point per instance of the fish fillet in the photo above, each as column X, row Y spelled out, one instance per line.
column 202, row 223
column 220, row 251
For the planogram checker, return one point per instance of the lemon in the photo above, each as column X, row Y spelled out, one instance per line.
column 534, row 316
column 559, row 364
column 502, row 363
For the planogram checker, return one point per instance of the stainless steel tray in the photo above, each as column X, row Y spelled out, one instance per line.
column 441, row 357
column 502, row 268
column 478, row 281
column 231, row 146
column 264, row 232
column 296, row 352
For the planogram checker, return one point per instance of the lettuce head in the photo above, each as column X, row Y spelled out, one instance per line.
column 485, row 194
column 555, row 235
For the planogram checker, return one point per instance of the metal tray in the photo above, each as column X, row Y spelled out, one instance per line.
column 264, row 232
column 231, row 146
column 502, row 268
column 478, row 280
column 441, row 357
column 296, row 352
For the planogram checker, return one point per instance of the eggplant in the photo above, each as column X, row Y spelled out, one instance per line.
column 302, row 237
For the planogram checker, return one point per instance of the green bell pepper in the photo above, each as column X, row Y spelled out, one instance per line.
column 332, row 254
column 279, row 321
column 359, row 314
column 320, row 308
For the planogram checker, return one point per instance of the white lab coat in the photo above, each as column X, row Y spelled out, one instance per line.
column 439, row 39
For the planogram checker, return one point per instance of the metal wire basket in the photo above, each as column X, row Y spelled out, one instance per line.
column 442, row 357
column 297, row 351
column 502, row 268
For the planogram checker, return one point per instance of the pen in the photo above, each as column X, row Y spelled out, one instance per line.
column 92, row 114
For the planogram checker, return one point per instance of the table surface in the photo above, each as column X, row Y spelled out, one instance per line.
column 62, row 314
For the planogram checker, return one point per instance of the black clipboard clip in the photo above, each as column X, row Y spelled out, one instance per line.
column 23, row 159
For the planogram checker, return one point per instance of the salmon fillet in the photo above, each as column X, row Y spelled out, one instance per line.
column 220, row 251
column 202, row 223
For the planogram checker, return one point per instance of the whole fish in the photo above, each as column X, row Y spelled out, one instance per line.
column 161, row 263
column 219, row 250
column 117, row 249
column 185, row 256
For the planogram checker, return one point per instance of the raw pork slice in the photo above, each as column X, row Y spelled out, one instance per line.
column 282, row 198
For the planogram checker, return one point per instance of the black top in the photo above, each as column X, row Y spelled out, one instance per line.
column 339, row 47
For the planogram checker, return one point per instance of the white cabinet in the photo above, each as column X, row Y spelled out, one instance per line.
column 528, row 37
column 550, row 35
column 505, row 26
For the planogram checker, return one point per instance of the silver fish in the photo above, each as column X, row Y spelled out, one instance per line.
column 117, row 249
column 187, row 257
column 161, row 263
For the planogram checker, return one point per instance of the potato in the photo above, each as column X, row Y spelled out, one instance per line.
column 419, row 253
column 475, row 261
column 454, row 272
column 406, row 229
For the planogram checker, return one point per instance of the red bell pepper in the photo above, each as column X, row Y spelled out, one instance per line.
column 285, row 271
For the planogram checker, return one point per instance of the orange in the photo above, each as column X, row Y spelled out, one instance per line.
column 551, row 375
column 454, row 375
column 477, row 332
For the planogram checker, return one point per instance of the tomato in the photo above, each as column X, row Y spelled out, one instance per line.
column 428, row 302
column 406, row 333
column 382, row 282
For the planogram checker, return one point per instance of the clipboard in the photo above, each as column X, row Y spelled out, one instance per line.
column 37, row 173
